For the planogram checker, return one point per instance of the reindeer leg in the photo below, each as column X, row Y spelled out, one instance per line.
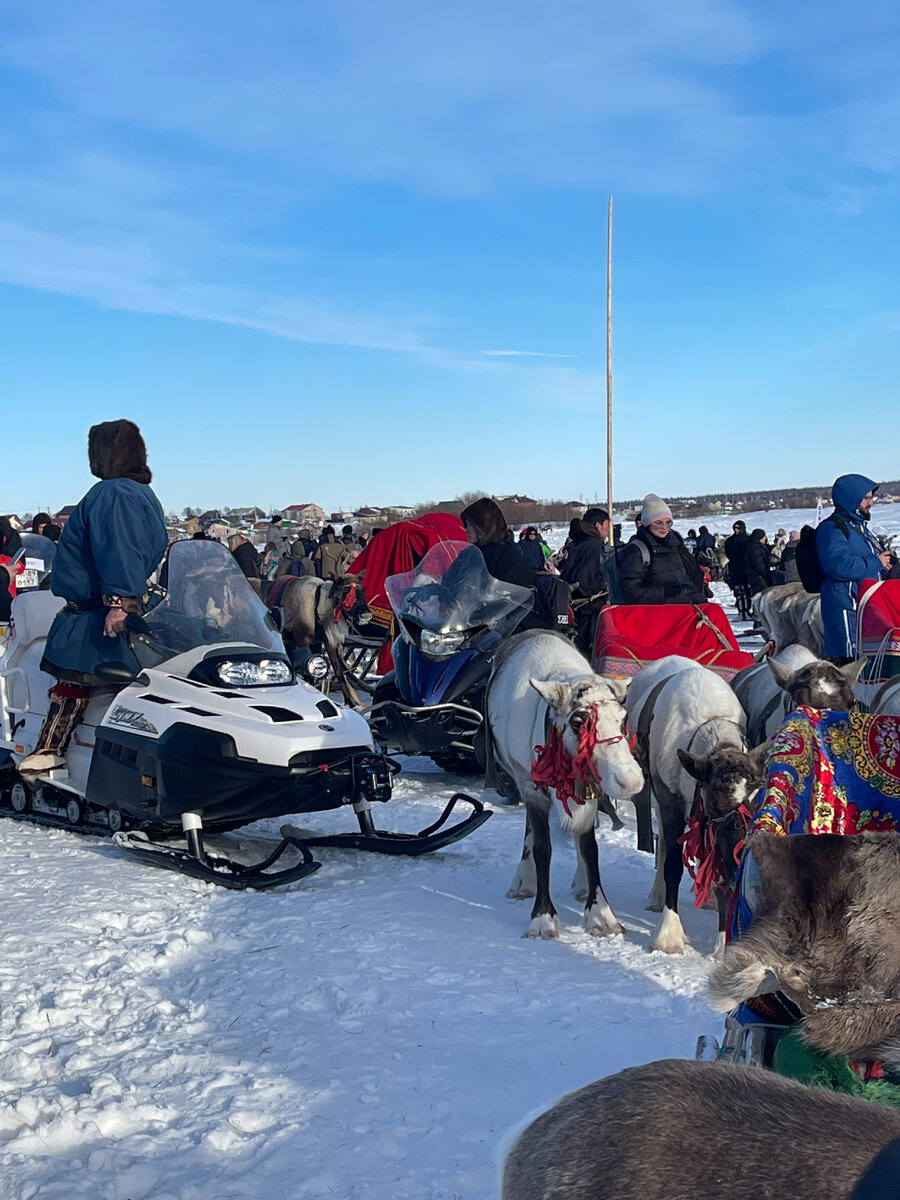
column 524, row 883
column 657, row 898
column 599, row 918
column 723, row 902
column 604, row 804
column 669, row 937
column 340, row 674
column 544, row 918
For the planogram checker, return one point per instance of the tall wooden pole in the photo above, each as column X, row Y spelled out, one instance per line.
column 609, row 385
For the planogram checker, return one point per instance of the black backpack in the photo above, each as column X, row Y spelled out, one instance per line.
column 553, row 602
column 809, row 567
column 612, row 567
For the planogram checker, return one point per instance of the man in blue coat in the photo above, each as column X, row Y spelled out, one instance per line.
column 111, row 545
column 847, row 554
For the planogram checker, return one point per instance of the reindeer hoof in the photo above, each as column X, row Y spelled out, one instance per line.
column 520, row 892
column 653, row 905
column 666, row 947
column 543, row 927
column 669, row 938
column 606, row 930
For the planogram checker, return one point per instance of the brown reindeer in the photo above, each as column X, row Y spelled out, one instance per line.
column 681, row 1130
column 320, row 612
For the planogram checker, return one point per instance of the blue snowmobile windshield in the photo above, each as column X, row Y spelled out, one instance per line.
column 452, row 592
column 206, row 600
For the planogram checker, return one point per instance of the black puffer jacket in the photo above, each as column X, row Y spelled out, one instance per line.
column 501, row 556
column 672, row 576
column 585, row 564
column 757, row 564
column 736, row 553
column 247, row 558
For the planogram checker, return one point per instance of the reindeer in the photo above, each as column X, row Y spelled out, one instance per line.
column 789, row 615
column 541, row 683
column 769, row 690
column 695, row 748
column 679, row 1130
column 320, row 612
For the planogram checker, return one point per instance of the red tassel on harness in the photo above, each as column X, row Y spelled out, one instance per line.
column 553, row 766
column 346, row 604
column 701, row 853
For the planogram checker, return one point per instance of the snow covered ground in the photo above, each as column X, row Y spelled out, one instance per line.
column 370, row 1034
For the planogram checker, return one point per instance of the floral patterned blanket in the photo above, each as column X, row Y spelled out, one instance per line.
column 831, row 772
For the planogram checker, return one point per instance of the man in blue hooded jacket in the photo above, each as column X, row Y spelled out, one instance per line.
column 110, row 547
column 848, row 554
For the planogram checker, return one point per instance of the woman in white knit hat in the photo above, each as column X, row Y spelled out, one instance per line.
column 656, row 567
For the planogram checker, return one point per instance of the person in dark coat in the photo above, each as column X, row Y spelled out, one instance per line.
column 52, row 531
column 532, row 549
column 671, row 576
column 111, row 546
column 39, row 521
column 245, row 555
column 584, row 570
column 736, row 553
column 757, row 563
column 848, row 554
column 5, row 597
column 705, row 541
column 789, row 558
column 486, row 528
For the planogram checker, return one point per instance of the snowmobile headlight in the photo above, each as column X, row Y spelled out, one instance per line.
column 255, row 674
column 316, row 667
column 440, row 645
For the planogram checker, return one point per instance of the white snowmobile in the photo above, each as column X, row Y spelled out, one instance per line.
column 212, row 731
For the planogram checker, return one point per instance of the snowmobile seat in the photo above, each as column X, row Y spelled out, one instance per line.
column 32, row 615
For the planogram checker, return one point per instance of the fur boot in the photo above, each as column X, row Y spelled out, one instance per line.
column 67, row 705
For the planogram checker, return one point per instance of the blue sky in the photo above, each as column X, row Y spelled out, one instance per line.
column 355, row 253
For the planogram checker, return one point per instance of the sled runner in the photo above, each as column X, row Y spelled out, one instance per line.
column 208, row 729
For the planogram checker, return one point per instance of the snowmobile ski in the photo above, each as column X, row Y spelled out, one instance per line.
column 223, row 872
column 383, row 841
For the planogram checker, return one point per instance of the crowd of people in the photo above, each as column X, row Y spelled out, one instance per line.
column 116, row 536
column 327, row 556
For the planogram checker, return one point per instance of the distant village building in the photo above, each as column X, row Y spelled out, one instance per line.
column 303, row 513
column 64, row 513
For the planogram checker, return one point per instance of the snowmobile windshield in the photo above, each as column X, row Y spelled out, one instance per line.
column 451, row 592
column 38, row 553
column 206, row 599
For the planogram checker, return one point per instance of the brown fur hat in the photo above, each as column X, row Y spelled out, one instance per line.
column 116, row 450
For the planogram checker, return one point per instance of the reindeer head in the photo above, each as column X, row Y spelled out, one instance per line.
column 730, row 778
column 819, row 684
column 573, row 703
column 349, row 597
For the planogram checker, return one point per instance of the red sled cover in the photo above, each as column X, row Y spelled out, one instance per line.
column 631, row 635
column 878, row 629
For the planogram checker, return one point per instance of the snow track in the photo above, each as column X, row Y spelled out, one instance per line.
column 369, row 1034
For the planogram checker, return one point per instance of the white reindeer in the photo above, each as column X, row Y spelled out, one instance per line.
column 696, row 738
column 539, row 680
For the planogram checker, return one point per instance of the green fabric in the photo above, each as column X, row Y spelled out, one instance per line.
column 795, row 1059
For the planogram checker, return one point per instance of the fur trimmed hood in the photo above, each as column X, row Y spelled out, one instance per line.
column 116, row 450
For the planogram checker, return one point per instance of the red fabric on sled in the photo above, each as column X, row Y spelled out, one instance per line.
column 398, row 548
column 878, row 628
column 631, row 635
